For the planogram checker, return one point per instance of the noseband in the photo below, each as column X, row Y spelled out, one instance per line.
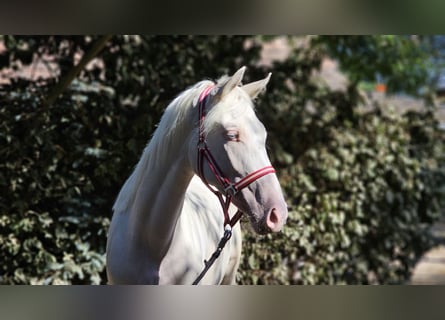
column 230, row 188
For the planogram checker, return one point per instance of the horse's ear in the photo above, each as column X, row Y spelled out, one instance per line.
column 231, row 83
column 253, row 89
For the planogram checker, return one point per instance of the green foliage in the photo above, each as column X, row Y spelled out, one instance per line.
column 362, row 212
column 363, row 188
column 400, row 61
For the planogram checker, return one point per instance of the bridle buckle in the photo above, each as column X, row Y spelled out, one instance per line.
column 231, row 190
column 202, row 145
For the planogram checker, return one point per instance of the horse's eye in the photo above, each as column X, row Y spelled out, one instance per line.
column 233, row 135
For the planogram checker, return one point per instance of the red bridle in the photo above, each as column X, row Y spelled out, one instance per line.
column 230, row 189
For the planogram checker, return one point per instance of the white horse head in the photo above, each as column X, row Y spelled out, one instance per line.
column 237, row 139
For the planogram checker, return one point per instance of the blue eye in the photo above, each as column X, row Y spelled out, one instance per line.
column 233, row 135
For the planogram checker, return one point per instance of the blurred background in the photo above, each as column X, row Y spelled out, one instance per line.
column 356, row 133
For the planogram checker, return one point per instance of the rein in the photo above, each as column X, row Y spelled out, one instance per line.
column 230, row 188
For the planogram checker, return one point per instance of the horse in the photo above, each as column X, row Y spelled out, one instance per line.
column 208, row 146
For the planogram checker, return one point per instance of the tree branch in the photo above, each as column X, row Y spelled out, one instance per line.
column 66, row 80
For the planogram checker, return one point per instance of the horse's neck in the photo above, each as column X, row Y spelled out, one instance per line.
column 158, row 203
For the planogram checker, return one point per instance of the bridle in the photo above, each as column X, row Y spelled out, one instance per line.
column 230, row 189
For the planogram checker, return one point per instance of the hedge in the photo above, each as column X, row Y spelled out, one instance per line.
column 363, row 188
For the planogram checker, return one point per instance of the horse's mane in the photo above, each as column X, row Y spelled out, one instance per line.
column 174, row 120
column 157, row 147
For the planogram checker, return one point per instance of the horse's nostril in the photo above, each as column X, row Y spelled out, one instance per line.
column 273, row 217
column 273, row 221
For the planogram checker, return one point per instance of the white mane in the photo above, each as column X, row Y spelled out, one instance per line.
column 154, row 153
